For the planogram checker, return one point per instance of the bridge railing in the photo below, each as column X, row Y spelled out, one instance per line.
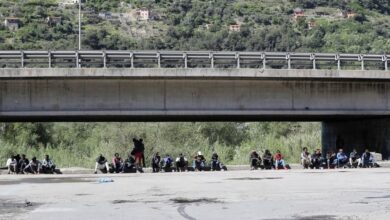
column 191, row 59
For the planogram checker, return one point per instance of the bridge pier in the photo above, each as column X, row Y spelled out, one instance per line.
column 373, row 134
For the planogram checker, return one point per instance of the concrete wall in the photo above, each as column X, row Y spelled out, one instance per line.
column 191, row 99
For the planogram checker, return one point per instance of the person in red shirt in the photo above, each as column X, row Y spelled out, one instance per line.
column 117, row 163
column 279, row 160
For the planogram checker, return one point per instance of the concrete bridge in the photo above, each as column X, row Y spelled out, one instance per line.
column 353, row 104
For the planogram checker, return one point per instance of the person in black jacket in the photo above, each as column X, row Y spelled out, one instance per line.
column 23, row 162
column 156, row 160
column 138, row 153
column 268, row 160
column 254, row 160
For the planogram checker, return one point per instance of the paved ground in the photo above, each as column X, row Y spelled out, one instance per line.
column 288, row 195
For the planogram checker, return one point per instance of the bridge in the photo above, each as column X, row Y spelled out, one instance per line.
column 349, row 93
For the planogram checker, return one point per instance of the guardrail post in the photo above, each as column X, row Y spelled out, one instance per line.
column 22, row 59
column 361, row 59
column 385, row 61
column 211, row 57
column 264, row 61
column 104, row 59
column 337, row 57
column 49, row 57
column 77, row 59
column 288, row 61
column 158, row 60
column 313, row 58
column 131, row 60
column 185, row 60
column 238, row 60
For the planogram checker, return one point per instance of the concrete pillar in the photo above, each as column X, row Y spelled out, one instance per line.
column 373, row 134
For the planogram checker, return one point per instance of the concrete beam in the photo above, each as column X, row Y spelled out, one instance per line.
column 181, row 73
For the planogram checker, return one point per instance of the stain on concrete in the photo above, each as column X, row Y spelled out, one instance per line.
column 47, row 180
column 313, row 217
column 120, row 201
column 199, row 200
column 182, row 211
column 82, row 194
column 256, row 178
column 10, row 208
column 379, row 197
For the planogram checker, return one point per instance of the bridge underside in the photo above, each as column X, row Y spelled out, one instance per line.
column 110, row 99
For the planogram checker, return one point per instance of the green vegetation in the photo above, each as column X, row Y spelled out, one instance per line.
column 78, row 144
column 202, row 25
column 184, row 25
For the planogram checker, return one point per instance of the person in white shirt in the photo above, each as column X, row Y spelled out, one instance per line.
column 48, row 165
column 11, row 165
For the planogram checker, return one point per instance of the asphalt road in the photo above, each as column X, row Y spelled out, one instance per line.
column 351, row 194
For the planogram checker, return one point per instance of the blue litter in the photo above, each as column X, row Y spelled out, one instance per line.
column 105, row 180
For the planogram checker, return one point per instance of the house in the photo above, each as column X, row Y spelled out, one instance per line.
column 298, row 13
column 311, row 24
column 143, row 14
column 234, row 27
column 105, row 15
column 68, row 2
column 53, row 20
column 12, row 23
column 351, row 14
column 348, row 14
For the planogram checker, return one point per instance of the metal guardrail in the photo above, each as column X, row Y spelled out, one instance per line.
column 190, row 59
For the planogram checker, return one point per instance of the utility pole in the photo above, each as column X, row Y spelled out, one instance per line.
column 79, row 24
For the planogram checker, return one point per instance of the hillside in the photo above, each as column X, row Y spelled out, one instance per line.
column 355, row 26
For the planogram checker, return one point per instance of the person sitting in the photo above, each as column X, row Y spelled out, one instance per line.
column 279, row 161
column 156, row 160
column 11, row 164
column 305, row 158
column 101, row 164
column 317, row 159
column 34, row 166
column 268, row 160
column 199, row 162
column 255, row 160
column 117, row 163
column 181, row 163
column 342, row 158
column 48, row 165
column 367, row 159
column 331, row 159
column 167, row 163
column 23, row 162
column 215, row 164
column 129, row 165
column 354, row 159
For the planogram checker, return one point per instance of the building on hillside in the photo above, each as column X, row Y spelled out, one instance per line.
column 12, row 23
column 351, row 14
column 105, row 15
column 348, row 14
column 234, row 27
column 143, row 14
column 311, row 24
column 53, row 20
column 298, row 13
column 68, row 2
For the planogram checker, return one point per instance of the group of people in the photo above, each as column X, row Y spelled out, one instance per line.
column 136, row 161
column 22, row 165
column 268, row 161
column 339, row 160
column 181, row 164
